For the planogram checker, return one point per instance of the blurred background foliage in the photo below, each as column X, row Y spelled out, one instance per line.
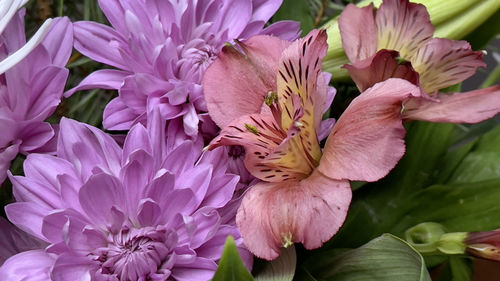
column 450, row 174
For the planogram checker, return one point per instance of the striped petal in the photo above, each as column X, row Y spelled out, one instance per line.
column 403, row 26
column 358, row 31
column 469, row 107
column 443, row 63
column 368, row 139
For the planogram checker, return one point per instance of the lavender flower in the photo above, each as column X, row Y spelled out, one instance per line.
column 162, row 49
column 147, row 211
column 32, row 89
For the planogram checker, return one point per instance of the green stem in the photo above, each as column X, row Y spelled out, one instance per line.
column 492, row 78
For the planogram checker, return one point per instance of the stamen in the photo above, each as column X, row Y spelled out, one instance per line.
column 287, row 238
column 252, row 129
column 271, row 98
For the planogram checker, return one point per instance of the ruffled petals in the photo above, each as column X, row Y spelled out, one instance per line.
column 311, row 211
column 368, row 139
column 469, row 107
column 358, row 31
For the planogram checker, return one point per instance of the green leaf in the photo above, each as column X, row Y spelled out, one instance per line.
column 280, row 269
column 231, row 267
column 459, row 207
column 384, row 258
column 483, row 162
column 296, row 10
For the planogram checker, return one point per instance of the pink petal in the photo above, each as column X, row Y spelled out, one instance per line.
column 469, row 107
column 403, row 26
column 246, row 80
column 358, row 31
column 379, row 68
column 310, row 211
column 368, row 139
column 443, row 63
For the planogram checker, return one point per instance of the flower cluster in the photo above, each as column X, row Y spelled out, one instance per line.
column 161, row 50
column 157, row 205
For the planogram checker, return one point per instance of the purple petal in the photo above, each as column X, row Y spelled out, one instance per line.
column 100, row 42
column 35, row 265
column 101, row 79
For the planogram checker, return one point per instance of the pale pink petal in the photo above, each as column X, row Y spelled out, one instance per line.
column 378, row 68
column 442, row 63
column 403, row 26
column 358, row 31
column 368, row 139
column 469, row 107
column 247, row 80
column 310, row 211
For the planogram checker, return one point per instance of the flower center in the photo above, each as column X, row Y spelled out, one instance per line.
column 134, row 254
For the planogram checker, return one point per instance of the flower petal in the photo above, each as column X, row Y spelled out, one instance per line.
column 403, row 26
column 379, row 68
column 358, row 31
column 100, row 42
column 469, row 107
column 443, row 63
column 247, row 79
column 311, row 211
column 87, row 148
column 109, row 79
column 35, row 265
column 368, row 139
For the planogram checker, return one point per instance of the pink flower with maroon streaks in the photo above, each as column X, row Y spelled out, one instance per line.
column 271, row 102
column 397, row 41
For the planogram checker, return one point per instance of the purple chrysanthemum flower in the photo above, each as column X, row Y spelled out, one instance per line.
column 152, row 210
column 162, row 49
column 31, row 90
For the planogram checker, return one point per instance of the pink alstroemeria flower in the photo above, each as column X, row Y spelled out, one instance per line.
column 397, row 41
column 271, row 102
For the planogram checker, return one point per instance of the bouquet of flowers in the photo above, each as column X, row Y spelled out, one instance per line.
column 149, row 140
